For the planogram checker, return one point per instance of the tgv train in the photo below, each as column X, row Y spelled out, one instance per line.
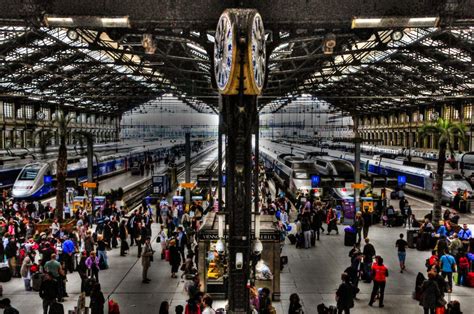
column 418, row 180
column 34, row 180
column 291, row 172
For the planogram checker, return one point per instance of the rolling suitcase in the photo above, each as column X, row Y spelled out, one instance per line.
column 5, row 274
column 470, row 279
column 350, row 238
column 292, row 239
column 56, row 308
column 167, row 255
column 36, row 281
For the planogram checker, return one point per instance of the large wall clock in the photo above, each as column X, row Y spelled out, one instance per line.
column 224, row 53
column 257, row 53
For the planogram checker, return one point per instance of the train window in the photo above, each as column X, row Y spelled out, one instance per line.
column 321, row 163
column 300, row 175
column 29, row 173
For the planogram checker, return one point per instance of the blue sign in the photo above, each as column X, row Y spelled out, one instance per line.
column 402, row 180
column 315, row 181
column 48, row 179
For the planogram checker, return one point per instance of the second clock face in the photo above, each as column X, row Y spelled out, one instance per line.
column 258, row 52
column 224, row 52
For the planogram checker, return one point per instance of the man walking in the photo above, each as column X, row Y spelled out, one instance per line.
column 401, row 244
column 448, row 267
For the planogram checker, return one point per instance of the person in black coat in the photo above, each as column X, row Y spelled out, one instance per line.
column 97, row 300
column 344, row 295
column 430, row 294
column 175, row 258
column 48, row 292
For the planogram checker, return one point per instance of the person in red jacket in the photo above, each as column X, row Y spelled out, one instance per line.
column 463, row 269
column 379, row 275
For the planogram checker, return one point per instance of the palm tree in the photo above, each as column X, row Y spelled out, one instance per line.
column 62, row 123
column 44, row 138
column 446, row 132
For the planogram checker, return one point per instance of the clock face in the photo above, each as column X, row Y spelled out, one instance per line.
column 258, row 52
column 224, row 49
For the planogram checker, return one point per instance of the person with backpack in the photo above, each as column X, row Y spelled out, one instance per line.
column 379, row 275
column 448, row 267
column 430, row 294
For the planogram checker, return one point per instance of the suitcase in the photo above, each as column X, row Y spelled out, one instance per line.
column 292, row 239
column 88, row 283
column 56, row 308
column 393, row 195
column 5, row 274
column 470, row 279
column 350, row 238
column 36, row 281
column 167, row 255
column 313, row 238
column 299, row 241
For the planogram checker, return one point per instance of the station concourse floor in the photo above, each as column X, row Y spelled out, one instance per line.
column 313, row 273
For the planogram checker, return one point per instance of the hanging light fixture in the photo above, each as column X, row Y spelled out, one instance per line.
column 149, row 44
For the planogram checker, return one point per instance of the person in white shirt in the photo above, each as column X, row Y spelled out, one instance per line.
column 207, row 302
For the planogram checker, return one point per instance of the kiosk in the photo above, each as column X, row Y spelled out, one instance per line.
column 212, row 266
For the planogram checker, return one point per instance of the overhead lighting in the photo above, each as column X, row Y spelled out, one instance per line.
column 423, row 22
column 52, row 21
column 72, row 35
column 365, row 22
column 396, row 35
column 87, row 21
column 329, row 44
column 395, row 22
column 121, row 22
column 149, row 44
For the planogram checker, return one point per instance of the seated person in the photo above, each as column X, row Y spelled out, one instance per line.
column 414, row 222
column 427, row 226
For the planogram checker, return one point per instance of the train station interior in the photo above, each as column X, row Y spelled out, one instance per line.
column 236, row 156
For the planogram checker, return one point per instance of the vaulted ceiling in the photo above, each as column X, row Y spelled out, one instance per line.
column 109, row 70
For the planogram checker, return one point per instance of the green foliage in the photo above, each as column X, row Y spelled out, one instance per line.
column 445, row 130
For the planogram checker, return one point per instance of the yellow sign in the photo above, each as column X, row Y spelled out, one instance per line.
column 187, row 185
column 89, row 185
column 358, row 185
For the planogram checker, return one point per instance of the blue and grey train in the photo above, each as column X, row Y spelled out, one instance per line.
column 418, row 180
column 35, row 179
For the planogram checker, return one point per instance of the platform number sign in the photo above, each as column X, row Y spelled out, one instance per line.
column 160, row 184
column 315, row 180
column 402, row 180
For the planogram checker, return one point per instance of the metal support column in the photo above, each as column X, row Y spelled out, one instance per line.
column 219, row 156
column 356, row 159
column 90, row 159
column 240, row 114
column 187, row 161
